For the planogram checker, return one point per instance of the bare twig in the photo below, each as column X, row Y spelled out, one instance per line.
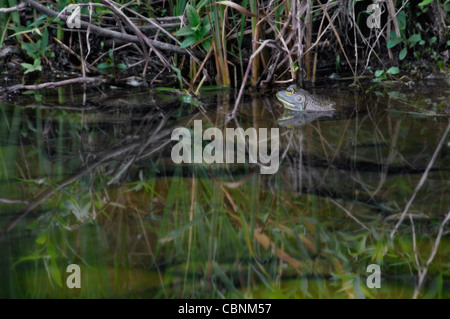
column 106, row 32
column 13, row 9
column 48, row 85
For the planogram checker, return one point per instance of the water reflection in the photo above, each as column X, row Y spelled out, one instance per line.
column 95, row 185
column 298, row 119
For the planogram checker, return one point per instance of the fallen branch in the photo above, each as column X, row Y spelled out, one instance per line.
column 48, row 85
column 13, row 9
column 105, row 32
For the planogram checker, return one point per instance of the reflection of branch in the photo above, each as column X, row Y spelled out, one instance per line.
column 12, row 201
column 49, row 191
column 155, row 136
column 423, row 273
column 390, row 158
column 422, row 180
column 349, row 214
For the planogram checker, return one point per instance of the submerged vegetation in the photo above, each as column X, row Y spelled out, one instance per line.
column 193, row 43
column 95, row 186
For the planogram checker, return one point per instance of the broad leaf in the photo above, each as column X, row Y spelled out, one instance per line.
column 415, row 38
column 189, row 41
column 403, row 53
column 192, row 15
column 393, row 42
column 393, row 70
column 425, row 3
column 184, row 31
column 207, row 45
column 379, row 73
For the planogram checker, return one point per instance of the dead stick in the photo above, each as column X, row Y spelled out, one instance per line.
column 105, row 32
column 47, row 85
column 13, row 9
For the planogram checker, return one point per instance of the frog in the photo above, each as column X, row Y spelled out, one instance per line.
column 296, row 99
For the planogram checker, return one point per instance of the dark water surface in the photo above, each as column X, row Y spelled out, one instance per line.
column 87, row 178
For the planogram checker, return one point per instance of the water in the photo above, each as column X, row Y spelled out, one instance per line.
column 87, row 178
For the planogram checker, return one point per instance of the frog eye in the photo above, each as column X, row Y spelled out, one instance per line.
column 289, row 91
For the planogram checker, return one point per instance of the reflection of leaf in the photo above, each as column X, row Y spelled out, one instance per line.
column 42, row 238
column 55, row 273
column 180, row 231
column 27, row 258
column 265, row 241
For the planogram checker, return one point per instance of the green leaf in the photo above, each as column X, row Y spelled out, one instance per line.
column 27, row 258
column 185, row 31
column 192, row 15
column 421, row 42
column 393, row 70
column 32, row 67
column 393, row 42
column 414, row 38
column 189, row 41
column 425, row 3
column 403, row 53
column 34, row 223
column 180, row 231
column 201, row 4
column 104, row 65
column 401, row 18
column 207, row 45
column 205, row 30
column 178, row 72
column 44, row 41
column 26, row 66
column 378, row 73
column 38, row 22
column 32, row 49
